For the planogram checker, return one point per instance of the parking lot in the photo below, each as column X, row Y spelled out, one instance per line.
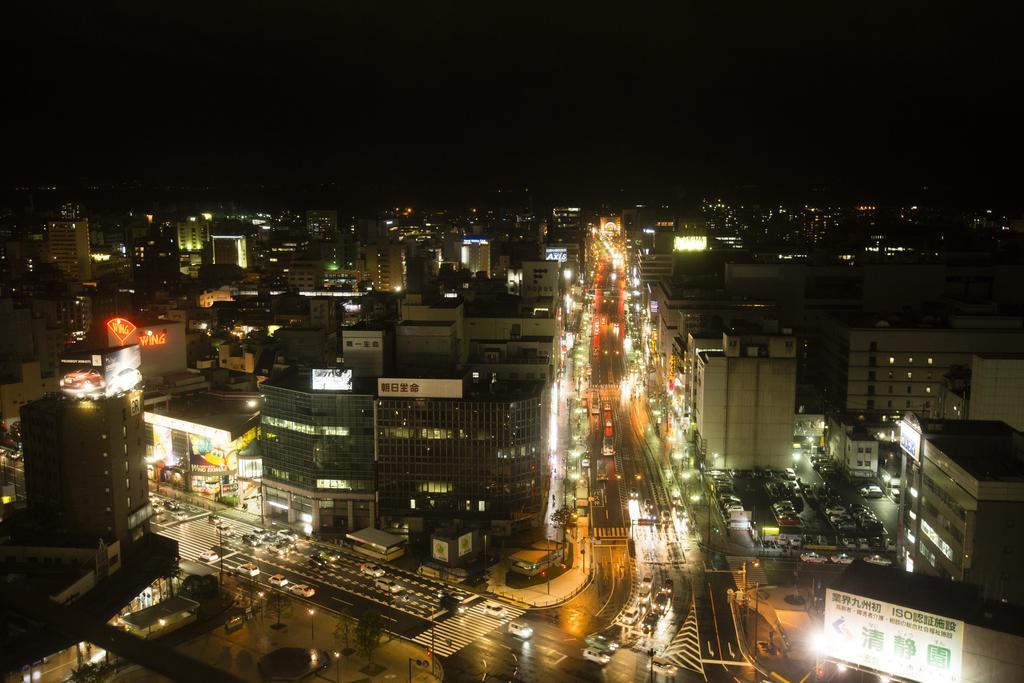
column 802, row 508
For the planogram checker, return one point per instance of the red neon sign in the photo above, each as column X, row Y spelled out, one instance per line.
column 120, row 328
column 152, row 338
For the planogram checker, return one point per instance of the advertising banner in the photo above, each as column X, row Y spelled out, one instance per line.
column 906, row 643
column 209, row 457
column 102, row 373
column 465, row 544
column 556, row 254
column 331, row 379
column 439, row 550
column 419, row 388
column 910, row 439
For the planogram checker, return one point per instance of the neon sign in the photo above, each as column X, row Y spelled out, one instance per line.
column 120, row 328
column 152, row 338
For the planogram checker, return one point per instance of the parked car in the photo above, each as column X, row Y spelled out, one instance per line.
column 835, row 509
column 371, row 569
column 278, row 580
column 520, row 629
column 248, row 569
column 847, row 543
column 209, row 555
column 894, row 491
column 302, row 590
column 871, row 491
column 879, row 560
column 813, row 558
column 493, row 609
column 842, row 558
column 595, row 656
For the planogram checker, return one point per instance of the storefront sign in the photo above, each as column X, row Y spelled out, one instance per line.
column 465, row 544
column 906, row 643
column 420, row 388
column 120, row 328
column 151, row 338
column 439, row 550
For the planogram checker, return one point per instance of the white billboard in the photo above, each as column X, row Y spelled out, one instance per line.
column 439, row 550
column 331, row 379
column 556, row 254
column 419, row 388
column 905, row 643
column 103, row 373
column 910, row 439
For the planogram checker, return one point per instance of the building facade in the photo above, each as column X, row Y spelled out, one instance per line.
column 68, row 244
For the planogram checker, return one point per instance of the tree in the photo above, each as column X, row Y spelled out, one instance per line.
column 169, row 571
column 563, row 519
column 279, row 605
column 343, row 628
column 92, row 673
column 368, row 634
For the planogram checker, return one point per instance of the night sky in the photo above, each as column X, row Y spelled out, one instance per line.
column 440, row 101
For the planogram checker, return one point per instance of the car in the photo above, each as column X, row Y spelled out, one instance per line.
column 813, row 558
column 287, row 534
column 789, row 473
column 863, row 544
column 835, row 509
column 842, row 558
column 82, row 382
column 282, row 548
column 248, row 569
column 664, row 667
column 302, row 590
column 180, row 515
column 846, row 524
column 871, row 491
column 667, row 586
column 209, row 556
column 278, row 580
column 317, row 561
column 596, row 656
column 520, row 629
column 601, row 642
column 371, row 569
column 630, row 616
column 733, row 507
column 650, row 622
column 772, row 490
column 728, row 498
column 211, row 517
column 646, row 584
column 662, row 603
column 387, row 585
column 847, row 543
column 252, row 540
column 126, row 380
column 894, row 491
column 585, row 462
column 493, row 609
column 226, row 531
column 879, row 560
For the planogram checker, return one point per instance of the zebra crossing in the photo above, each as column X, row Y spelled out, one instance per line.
column 197, row 536
column 458, row 631
column 755, row 571
column 610, row 532
column 684, row 650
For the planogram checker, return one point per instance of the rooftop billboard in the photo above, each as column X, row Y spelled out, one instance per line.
column 99, row 374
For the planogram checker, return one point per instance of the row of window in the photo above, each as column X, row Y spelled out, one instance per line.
column 871, row 389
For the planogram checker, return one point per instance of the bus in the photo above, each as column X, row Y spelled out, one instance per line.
column 608, row 446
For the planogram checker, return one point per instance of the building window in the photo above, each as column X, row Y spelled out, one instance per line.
column 910, row 360
column 908, row 388
column 412, row 503
column 873, row 346
column 892, row 360
column 927, row 390
column 871, row 375
column 910, row 375
column 930, row 360
column 871, row 404
column 871, row 361
column 871, row 390
column 888, row 404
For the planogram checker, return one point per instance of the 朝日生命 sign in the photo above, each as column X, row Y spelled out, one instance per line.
column 419, row 388
column 906, row 643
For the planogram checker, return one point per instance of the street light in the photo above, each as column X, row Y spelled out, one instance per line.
column 312, row 622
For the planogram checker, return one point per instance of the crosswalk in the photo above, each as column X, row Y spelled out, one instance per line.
column 755, row 571
column 610, row 532
column 458, row 631
column 195, row 536
column 684, row 650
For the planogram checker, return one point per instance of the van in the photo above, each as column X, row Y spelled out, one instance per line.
column 520, row 629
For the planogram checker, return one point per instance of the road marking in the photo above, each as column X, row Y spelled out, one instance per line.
column 341, row 601
column 559, row 660
column 714, row 616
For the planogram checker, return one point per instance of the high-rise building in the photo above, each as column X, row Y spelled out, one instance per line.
column 85, row 466
column 384, row 265
column 476, row 255
column 230, row 250
column 68, row 246
column 155, row 263
column 322, row 224
column 566, row 223
column 194, row 233
column 318, row 451
column 745, row 398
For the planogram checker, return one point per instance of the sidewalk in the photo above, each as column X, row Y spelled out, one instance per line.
column 784, row 630
column 239, row 652
column 558, row 590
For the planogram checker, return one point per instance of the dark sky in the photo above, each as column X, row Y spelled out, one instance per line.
column 442, row 99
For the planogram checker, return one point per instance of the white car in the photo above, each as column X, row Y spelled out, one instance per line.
column 835, row 510
column 180, row 514
column 871, row 491
column 248, row 569
column 630, row 616
column 278, row 580
column 879, row 560
column 842, row 558
column 645, row 585
column 596, row 656
column 388, row 585
column 813, row 558
column 585, row 462
column 371, row 569
column 209, row 556
column 302, row 590
column 493, row 610
column 520, row 629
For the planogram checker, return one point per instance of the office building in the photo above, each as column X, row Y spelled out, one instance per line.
column 229, row 250
column 67, row 242
column 745, row 397
column 476, row 255
column 990, row 388
column 566, row 224
column 384, row 265
column 85, row 466
column 962, row 502
column 194, row 233
column 448, row 450
column 318, row 450
column 155, row 263
column 322, row 224
column 368, row 349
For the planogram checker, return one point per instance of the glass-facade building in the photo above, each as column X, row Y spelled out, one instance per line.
column 477, row 459
column 318, row 455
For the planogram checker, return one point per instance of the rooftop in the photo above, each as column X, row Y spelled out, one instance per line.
column 235, row 415
column 923, row 321
column 985, row 449
column 929, row 594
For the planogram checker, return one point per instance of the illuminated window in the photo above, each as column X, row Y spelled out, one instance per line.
column 892, row 360
column 927, row 390
column 930, row 360
column 910, row 360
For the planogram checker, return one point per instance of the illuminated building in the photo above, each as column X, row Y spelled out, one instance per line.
column 230, row 250
column 384, row 265
column 476, row 255
column 67, row 242
column 85, row 464
column 961, row 498
column 322, row 224
column 163, row 344
column 155, row 263
column 193, row 234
